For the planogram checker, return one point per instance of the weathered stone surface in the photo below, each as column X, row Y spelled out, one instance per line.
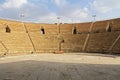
column 27, row 37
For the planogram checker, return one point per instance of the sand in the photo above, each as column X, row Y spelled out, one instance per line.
column 60, row 67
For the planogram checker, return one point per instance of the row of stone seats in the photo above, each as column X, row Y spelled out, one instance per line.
column 44, row 43
column 116, row 48
column 100, row 26
column 2, row 49
column 49, row 28
column 80, row 28
column 14, row 26
column 101, row 42
column 16, row 42
column 83, row 27
column 73, row 43
column 115, row 24
column 50, row 42
column 65, row 28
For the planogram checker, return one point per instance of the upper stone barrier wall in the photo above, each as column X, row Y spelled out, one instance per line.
column 98, row 26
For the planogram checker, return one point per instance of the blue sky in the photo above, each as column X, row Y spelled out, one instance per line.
column 47, row 11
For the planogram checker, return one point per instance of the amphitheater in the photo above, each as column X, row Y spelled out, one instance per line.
column 76, row 51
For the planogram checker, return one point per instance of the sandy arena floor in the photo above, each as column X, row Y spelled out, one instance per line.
column 60, row 67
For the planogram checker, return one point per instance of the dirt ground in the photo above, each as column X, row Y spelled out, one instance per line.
column 60, row 67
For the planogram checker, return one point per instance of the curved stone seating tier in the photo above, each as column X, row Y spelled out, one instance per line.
column 32, row 27
column 44, row 43
column 66, row 28
column 2, row 28
column 116, row 48
column 73, row 43
column 16, row 42
column 83, row 27
column 2, row 49
column 13, row 25
column 115, row 24
column 101, row 42
column 100, row 26
column 49, row 28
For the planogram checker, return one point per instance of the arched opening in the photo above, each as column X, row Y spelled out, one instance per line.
column 42, row 31
column 7, row 29
column 74, row 30
column 109, row 28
